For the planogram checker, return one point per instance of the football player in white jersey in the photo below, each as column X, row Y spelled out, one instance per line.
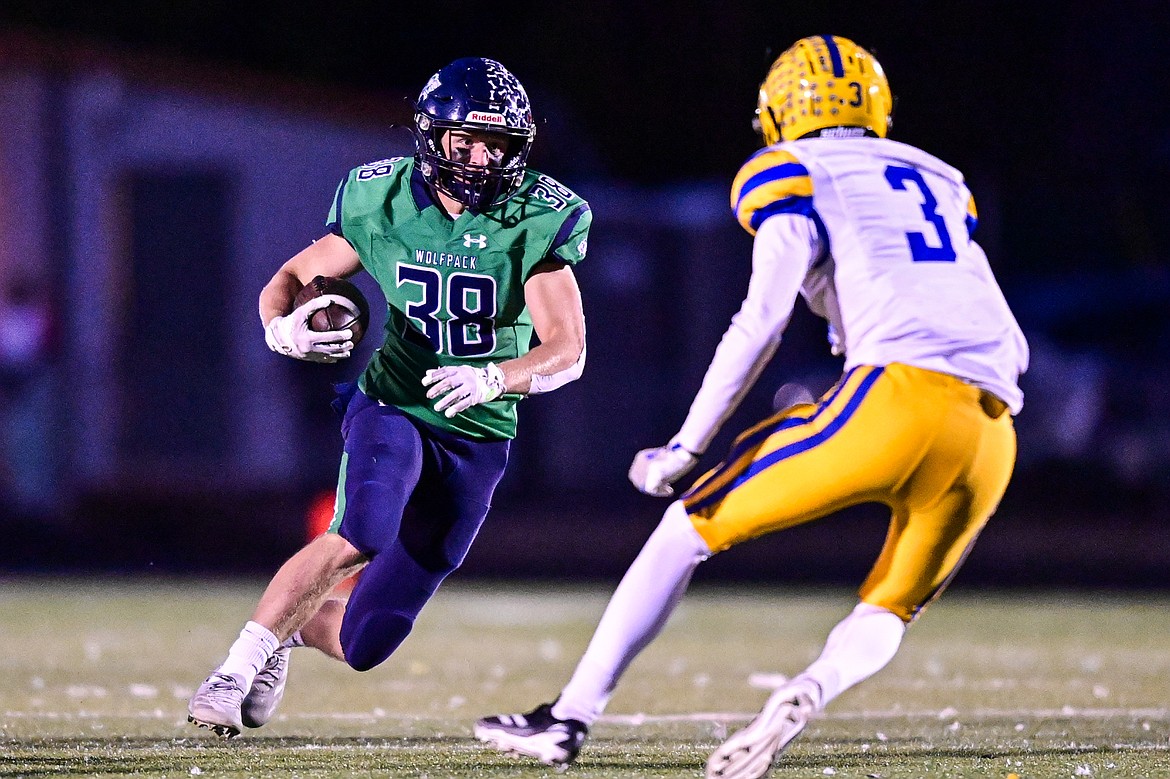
column 876, row 235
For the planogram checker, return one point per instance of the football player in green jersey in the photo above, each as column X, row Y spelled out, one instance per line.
column 474, row 253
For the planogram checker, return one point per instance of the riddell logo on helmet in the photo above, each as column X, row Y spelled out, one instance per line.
column 486, row 118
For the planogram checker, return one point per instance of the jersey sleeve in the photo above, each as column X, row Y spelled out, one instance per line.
column 361, row 197
column 333, row 220
column 571, row 242
column 972, row 216
column 772, row 182
column 559, row 220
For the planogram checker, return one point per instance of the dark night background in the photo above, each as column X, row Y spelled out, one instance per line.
column 1056, row 112
column 1053, row 91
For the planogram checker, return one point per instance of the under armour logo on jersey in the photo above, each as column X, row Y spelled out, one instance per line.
column 478, row 241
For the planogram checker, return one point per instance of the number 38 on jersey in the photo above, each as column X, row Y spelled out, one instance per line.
column 455, row 314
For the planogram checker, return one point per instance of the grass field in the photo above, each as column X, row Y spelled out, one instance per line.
column 95, row 675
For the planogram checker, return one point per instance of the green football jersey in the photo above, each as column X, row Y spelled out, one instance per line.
column 454, row 287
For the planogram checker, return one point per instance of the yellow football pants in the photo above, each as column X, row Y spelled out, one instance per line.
column 938, row 451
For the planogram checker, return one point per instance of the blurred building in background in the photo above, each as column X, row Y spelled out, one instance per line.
column 146, row 426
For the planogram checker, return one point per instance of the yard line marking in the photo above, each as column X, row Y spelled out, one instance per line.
column 1066, row 712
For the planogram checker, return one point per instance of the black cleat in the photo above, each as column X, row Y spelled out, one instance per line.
column 536, row 734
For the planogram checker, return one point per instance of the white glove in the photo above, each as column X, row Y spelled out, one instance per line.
column 291, row 335
column 463, row 386
column 653, row 470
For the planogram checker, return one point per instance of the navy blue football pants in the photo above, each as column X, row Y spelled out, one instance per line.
column 414, row 498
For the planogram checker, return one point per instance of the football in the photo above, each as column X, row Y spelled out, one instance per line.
column 335, row 317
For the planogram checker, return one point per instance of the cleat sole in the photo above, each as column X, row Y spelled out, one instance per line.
column 545, row 750
column 226, row 731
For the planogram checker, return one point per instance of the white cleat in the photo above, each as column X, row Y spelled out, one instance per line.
column 261, row 701
column 216, row 705
column 749, row 753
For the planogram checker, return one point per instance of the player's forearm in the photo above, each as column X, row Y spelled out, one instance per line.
column 555, row 304
column 330, row 255
column 783, row 251
column 278, row 294
column 548, row 366
column 738, row 362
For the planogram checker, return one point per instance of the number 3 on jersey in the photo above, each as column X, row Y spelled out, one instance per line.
column 469, row 302
column 920, row 250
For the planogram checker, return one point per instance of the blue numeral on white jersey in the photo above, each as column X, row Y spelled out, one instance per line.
column 920, row 250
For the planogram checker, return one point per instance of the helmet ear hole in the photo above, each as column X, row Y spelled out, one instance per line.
column 766, row 125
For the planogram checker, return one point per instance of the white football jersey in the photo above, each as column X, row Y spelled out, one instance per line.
column 899, row 278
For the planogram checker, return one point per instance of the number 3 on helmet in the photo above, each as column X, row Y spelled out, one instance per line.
column 475, row 95
column 821, row 84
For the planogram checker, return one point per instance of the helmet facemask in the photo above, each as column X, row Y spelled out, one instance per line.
column 477, row 96
column 479, row 187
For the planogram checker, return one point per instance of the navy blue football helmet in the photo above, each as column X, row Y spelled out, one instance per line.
column 473, row 94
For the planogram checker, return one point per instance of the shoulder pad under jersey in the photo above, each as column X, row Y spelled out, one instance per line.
column 546, row 193
column 772, row 182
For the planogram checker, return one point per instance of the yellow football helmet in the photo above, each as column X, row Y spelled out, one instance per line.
column 821, row 82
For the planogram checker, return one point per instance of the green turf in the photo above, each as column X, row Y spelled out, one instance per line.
column 94, row 678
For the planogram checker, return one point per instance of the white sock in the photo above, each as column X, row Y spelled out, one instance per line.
column 293, row 641
column 858, row 647
column 249, row 653
column 645, row 598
